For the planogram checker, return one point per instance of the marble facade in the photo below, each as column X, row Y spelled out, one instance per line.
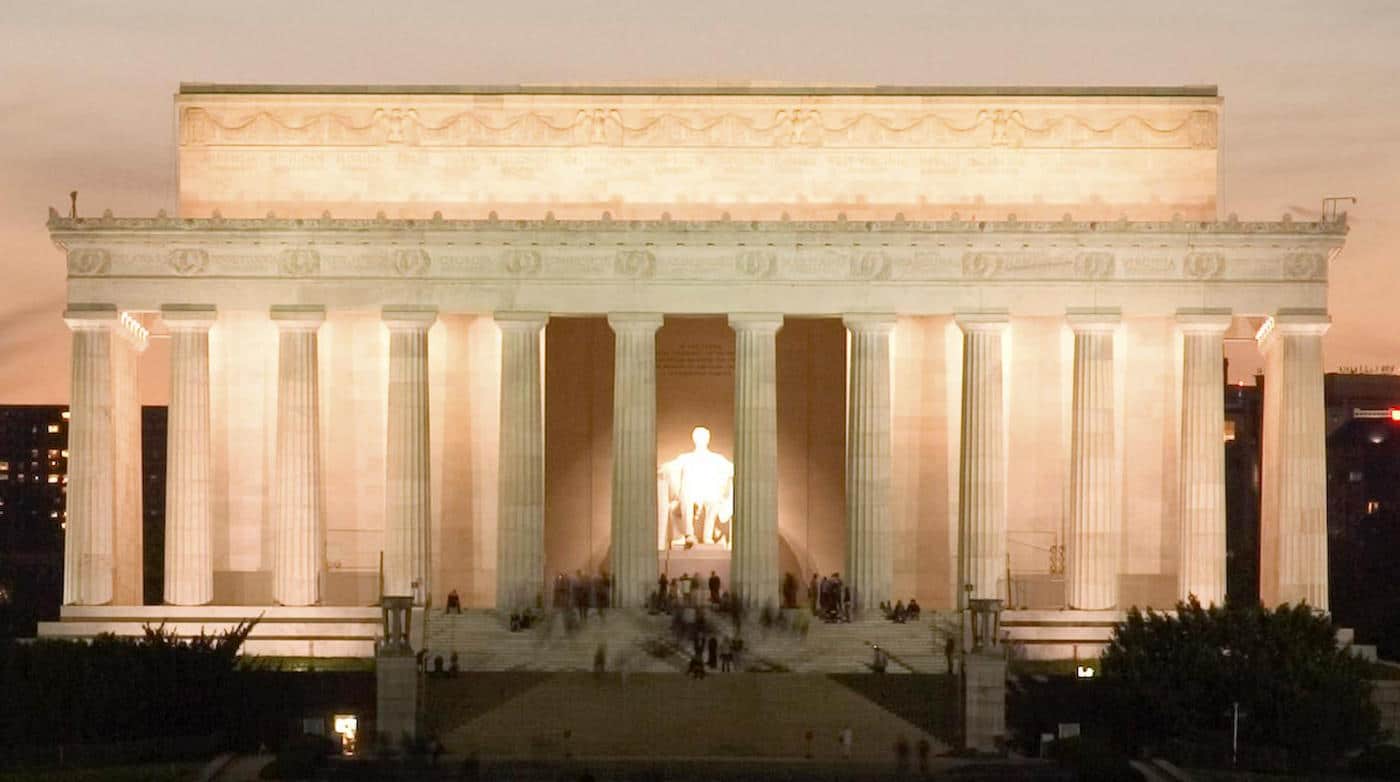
column 433, row 339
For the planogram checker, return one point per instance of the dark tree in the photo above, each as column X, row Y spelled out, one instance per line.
column 1174, row 680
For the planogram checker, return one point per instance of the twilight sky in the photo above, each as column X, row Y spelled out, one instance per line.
column 1312, row 100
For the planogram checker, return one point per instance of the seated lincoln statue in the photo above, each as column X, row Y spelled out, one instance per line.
column 699, row 487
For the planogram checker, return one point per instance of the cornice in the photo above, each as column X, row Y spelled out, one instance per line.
column 329, row 226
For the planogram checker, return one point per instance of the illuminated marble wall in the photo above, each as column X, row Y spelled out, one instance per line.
column 697, row 156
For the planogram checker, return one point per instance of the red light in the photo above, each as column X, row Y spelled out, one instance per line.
column 1395, row 413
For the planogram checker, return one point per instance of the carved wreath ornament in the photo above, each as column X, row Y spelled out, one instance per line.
column 634, row 263
column 1094, row 265
column 88, row 261
column 411, row 261
column 522, row 262
column 188, row 261
column 869, row 266
column 756, row 263
column 980, row 264
column 299, row 262
column 1204, row 266
column 1302, row 266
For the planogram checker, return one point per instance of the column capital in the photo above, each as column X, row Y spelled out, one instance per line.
column 755, row 321
column 188, row 317
column 635, row 321
column 409, row 318
column 1203, row 321
column 90, row 316
column 1087, row 321
column 982, row 321
column 1292, row 323
column 872, row 322
column 297, row 317
column 521, row 320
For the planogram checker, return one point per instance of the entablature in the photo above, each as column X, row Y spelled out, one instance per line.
column 865, row 256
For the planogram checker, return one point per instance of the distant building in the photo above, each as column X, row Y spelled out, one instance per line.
column 1363, row 505
column 33, row 492
column 33, row 483
column 1244, row 412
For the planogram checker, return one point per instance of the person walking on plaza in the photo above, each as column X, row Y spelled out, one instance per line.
column 812, row 594
column 726, row 655
column 846, row 739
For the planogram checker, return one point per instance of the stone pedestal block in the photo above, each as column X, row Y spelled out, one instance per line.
column 396, row 695
column 984, row 701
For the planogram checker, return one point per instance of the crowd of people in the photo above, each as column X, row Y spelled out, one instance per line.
column 899, row 613
column 830, row 598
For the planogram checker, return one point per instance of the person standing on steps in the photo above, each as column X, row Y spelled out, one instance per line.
column 714, row 587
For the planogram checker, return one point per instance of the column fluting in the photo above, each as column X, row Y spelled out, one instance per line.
column 754, row 567
column 189, row 517
column 299, row 551
column 1293, row 512
column 87, row 540
column 1202, row 472
column 520, row 517
column 982, row 460
column 869, row 541
column 1091, row 579
column 407, row 481
column 634, row 501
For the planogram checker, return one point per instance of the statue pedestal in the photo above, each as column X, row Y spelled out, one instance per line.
column 699, row 558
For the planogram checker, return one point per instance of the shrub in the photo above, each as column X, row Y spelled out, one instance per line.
column 1177, row 677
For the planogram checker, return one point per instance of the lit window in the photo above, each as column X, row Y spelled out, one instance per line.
column 53, row 477
column 65, row 415
column 53, row 453
column 4, row 466
column 64, row 453
column 1229, row 431
column 1373, row 506
column 53, row 515
column 53, row 428
column 1354, row 476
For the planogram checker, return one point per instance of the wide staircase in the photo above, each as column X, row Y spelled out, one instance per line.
column 638, row 642
column 848, row 647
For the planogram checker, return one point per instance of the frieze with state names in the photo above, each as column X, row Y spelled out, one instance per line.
column 871, row 253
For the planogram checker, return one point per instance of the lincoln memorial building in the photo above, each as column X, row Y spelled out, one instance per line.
column 951, row 343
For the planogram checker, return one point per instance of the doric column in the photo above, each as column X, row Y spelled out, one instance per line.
column 1202, row 473
column 634, row 567
column 982, row 462
column 297, row 502
column 1091, row 580
column 754, row 567
column 520, row 518
column 87, row 540
column 869, row 545
column 189, row 516
column 1293, row 517
column 129, row 342
column 407, row 485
